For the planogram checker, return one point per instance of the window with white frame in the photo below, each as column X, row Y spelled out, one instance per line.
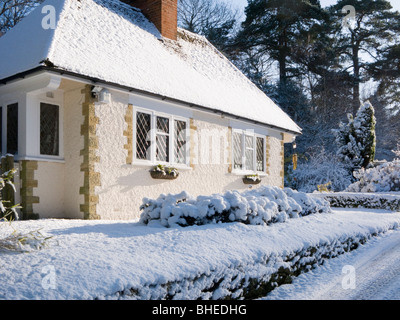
column 143, row 136
column 180, row 148
column 260, row 154
column 248, row 151
column 160, row 138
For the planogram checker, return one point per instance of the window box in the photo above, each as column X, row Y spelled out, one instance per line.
column 252, row 179
column 163, row 172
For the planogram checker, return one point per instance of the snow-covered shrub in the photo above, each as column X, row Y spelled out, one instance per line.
column 382, row 178
column 11, row 239
column 7, row 210
column 264, row 205
column 23, row 242
column 318, row 169
column 397, row 151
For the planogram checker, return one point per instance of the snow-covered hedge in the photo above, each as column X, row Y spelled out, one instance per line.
column 252, row 279
column 264, row 205
column 382, row 178
column 386, row 201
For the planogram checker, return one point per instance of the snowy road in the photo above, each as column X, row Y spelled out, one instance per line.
column 371, row 272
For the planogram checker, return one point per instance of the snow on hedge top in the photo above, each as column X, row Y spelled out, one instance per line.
column 112, row 41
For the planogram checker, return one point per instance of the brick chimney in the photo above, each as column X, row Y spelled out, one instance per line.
column 162, row 13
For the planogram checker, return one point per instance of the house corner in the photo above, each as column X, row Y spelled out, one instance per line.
column 28, row 184
column 90, row 157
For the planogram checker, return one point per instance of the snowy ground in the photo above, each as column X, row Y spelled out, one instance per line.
column 371, row 272
column 98, row 259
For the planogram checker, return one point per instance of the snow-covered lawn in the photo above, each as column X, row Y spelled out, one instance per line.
column 102, row 259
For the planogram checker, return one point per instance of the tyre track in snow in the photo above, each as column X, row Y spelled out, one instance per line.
column 377, row 275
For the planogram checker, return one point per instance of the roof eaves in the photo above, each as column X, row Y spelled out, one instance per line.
column 46, row 68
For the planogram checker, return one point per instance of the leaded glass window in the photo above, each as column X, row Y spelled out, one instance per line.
column 260, row 154
column 162, row 139
column 143, row 139
column 180, row 141
column 237, row 151
column 49, row 129
column 12, row 128
column 248, row 151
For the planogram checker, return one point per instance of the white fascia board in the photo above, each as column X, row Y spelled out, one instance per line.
column 37, row 83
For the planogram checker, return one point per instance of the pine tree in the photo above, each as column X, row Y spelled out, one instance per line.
column 386, row 70
column 373, row 28
column 277, row 27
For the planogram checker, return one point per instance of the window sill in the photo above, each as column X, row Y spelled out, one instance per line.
column 248, row 172
column 181, row 167
column 44, row 159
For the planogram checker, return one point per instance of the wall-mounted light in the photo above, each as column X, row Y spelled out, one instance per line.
column 102, row 94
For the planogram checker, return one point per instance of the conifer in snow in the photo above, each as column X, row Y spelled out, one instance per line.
column 356, row 139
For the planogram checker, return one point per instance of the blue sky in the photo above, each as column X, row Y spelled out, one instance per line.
column 241, row 4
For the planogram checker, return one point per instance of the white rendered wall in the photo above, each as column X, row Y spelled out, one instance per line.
column 50, row 190
column 59, row 180
column 123, row 186
column 73, row 144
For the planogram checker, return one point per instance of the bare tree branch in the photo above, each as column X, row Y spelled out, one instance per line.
column 12, row 11
column 215, row 19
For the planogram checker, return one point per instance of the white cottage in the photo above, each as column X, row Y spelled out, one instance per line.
column 95, row 93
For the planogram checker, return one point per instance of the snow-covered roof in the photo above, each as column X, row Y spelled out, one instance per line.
column 114, row 42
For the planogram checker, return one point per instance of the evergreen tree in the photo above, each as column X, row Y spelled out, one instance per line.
column 364, row 129
column 292, row 100
column 374, row 27
column 275, row 28
column 348, row 149
column 275, row 33
column 386, row 70
column 387, row 128
column 356, row 139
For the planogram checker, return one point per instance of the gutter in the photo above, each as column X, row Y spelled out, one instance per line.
column 97, row 81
